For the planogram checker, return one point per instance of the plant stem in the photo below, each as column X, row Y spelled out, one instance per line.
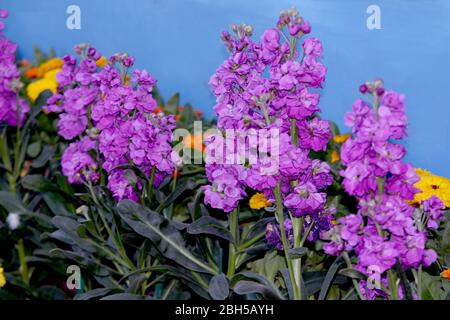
column 297, row 224
column 150, row 184
column 234, row 230
column 255, row 239
column 115, row 240
column 174, row 187
column 392, row 285
column 355, row 283
column 23, row 262
column 286, row 245
column 294, row 131
column 419, row 283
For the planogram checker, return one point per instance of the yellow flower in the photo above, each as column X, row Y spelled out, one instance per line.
column 35, row 88
column 429, row 185
column 101, row 62
column 335, row 156
column 341, row 138
column 2, row 277
column 54, row 63
column 51, row 75
column 258, row 201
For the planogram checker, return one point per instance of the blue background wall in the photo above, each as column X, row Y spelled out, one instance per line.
column 178, row 42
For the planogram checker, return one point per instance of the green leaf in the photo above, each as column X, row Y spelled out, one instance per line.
column 249, row 282
column 11, row 202
column 432, row 287
column 329, row 277
column 34, row 149
column 162, row 233
column 210, row 225
column 173, row 103
column 95, row 293
column 187, row 114
column 352, row 273
column 218, row 287
column 188, row 184
column 47, row 153
column 297, row 253
column 38, row 183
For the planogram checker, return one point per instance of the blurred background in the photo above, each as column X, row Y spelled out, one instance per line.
column 178, row 42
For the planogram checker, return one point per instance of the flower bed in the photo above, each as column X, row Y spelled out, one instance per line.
column 108, row 191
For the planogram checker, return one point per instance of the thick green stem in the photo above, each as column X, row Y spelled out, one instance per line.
column 392, row 285
column 150, row 184
column 23, row 262
column 251, row 242
column 286, row 246
column 174, row 187
column 419, row 283
column 294, row 132
column 234, row 230
column 297, row 225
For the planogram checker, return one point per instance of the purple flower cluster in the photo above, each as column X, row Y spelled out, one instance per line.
column 386, row 228
column 273, row 236
column 268, row 86
column 13, row 110
column 114, row 113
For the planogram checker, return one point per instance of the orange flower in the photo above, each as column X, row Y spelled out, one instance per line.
column 341, row 138
column 335, row 156
column 180, row 108
column 158, row 110
column 31, row 73
column 177, row 117
column 194, row 142
column 446, row 274
column 24, row 63
column 51, row 64
column 198, row 113
column 101, row 62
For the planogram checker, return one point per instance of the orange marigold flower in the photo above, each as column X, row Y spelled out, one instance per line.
column 341, row 138
column 101, row 62
column 31, row 73
column 446, row 274
column 51, row 64
column 335, row 156
column 259, row 201
column 158, row 110
column 194, row 142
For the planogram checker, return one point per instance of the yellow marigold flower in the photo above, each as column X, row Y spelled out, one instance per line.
column 101, row 62
column 335, row 156
column 51, row 75
column 34, row 89
column 258, row 201
column 446, row 274
column 429, row 185
column 341, row 138
column 2, row 277
column 54, row 63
